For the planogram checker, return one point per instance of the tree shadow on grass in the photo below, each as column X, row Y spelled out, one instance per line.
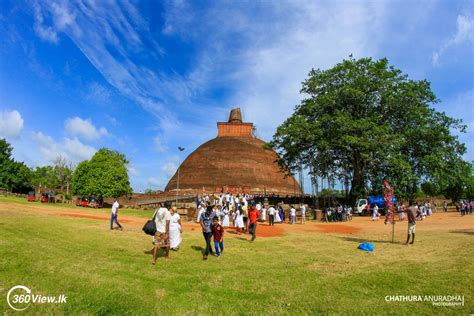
column 361, row 240
column 469, row 232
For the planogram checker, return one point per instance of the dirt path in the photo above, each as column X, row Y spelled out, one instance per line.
column 439, row 221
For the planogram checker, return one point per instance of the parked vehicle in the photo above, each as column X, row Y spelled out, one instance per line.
column 85, row 201
column 96, row 202
column 31, row 196
column 45, row 198
column 79, row 201
column 365, row 206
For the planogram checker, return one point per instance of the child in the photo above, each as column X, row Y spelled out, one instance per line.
column 240, row 220
column 375, row 213
column 218, row 233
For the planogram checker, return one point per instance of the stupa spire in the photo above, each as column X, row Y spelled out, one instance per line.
column 235, row 116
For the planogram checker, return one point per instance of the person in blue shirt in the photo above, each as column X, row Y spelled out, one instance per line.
column 206, row 225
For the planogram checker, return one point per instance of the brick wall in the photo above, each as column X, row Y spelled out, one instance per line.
column 234, row 129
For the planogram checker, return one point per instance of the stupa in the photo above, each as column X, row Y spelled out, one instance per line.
column 234, row 161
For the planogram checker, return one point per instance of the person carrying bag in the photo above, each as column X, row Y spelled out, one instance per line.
column 150, row 226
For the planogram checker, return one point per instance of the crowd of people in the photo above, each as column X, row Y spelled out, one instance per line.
column 233, row 210
column 340, row 213
column 465, row 207
column 216, row 213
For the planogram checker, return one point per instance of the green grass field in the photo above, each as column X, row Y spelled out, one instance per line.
column 110, row 272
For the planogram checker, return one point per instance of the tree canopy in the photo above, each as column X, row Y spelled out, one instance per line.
column 104, row 175
column 363, row 121
column 14, row 176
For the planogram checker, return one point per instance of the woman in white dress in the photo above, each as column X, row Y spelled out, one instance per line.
column 175, row 229
column 240, row 220
column 277, row 217
column 263, row 215
column 218, row 212
column 225, row 221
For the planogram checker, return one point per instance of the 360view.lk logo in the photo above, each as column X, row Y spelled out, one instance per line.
column 21, row 297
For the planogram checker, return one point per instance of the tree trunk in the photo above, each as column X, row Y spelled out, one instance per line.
column 412, row 195
column 357, row 182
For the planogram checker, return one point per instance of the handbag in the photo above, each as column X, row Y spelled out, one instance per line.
column 150, row 226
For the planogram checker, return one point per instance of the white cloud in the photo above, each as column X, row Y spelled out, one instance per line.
column 112, row 120
column 11, row 123
column 47, row 33
column 71, row 149
column 97, row 94
column 155, row 182
column 461, row 106
column 133, row 171
column 159, row 146
column 464, row 34
column 84, row 128
column 264, row 60
column 169, row 168
column 114, row 36
column 62, row 16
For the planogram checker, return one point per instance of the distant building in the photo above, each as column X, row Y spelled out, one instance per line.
column 234, row 161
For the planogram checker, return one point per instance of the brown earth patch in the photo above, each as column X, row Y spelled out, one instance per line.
column 333, row 228
column 440, row 221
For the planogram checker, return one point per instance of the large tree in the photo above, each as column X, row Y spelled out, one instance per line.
column 14, row 176
column 44, row 178
column 363, row 121
column 105, row 175
column 63, row 170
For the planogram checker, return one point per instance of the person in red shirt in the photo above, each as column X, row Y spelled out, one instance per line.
column 253, row 217
column 218, row 234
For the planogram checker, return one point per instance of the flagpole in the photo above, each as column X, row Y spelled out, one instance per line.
column 393, row 229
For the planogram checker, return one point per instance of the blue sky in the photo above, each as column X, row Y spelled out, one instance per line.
column 146, row 77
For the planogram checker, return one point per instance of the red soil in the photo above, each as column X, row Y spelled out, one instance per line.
column 334, row 228
column 450, row 221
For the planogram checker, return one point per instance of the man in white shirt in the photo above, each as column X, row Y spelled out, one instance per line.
column 162, row 236
column 292, row 215
column 201, row 210
column 113, row 217
column 271, row 216
column 303, row 213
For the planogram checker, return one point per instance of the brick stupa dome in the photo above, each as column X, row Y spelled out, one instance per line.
column 234, row 161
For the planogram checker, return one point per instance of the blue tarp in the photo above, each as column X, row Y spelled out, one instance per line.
column 366, row 246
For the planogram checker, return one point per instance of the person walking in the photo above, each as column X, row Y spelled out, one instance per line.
column 114, row 214
column 303, row 213
column 175, row 229
column 253, row 217
column 200, row 211
column 281, row 211
column 225, row 221
column 292, row 214
column 445, row 206
column 239, row 214
column 411, row 215
column 375, row 213
column 206, row 222
column 245, row 211
column 401, row 212
column 218, row 234
column 271, row 216
column 162, row 236
column 263, row 214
